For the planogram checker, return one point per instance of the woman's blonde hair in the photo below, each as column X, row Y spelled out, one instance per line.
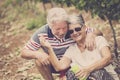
column 76, row 19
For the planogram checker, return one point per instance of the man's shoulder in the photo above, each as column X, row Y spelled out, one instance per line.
column 44, row 29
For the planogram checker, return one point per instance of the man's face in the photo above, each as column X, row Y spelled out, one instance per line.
column 59, row 29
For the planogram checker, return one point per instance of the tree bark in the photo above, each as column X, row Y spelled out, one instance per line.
column 114, row 37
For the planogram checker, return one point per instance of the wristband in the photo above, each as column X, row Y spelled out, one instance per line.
column 89, row 30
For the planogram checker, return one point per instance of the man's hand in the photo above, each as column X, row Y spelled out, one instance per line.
column 43, row 58
column 90, row 41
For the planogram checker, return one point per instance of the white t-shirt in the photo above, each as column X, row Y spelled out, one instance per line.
column 87, row 57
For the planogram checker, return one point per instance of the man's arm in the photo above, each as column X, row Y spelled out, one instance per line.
column 29, row 54
column 90, row 38
column 39, row 55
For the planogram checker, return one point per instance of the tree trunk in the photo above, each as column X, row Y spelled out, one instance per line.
column 115, row 41
column 53, row 3
column 117, row 69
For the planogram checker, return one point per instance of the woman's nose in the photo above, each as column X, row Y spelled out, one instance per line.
column 74, row 32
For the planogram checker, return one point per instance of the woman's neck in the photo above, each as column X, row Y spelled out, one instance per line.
column 81, row 45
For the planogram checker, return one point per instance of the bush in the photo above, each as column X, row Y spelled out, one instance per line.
column 7, row 3
column 36, row 22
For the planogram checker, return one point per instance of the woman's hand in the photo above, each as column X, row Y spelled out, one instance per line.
column 44, row 42
column 83, row 73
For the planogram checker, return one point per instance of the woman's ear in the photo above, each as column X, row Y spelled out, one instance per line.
column 82, row 22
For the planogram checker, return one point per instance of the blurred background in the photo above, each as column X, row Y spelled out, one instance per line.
column 20, row 18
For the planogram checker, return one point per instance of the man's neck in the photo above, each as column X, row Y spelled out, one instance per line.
column 60, row 39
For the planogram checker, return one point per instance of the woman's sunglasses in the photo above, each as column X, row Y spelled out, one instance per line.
column 75, row 29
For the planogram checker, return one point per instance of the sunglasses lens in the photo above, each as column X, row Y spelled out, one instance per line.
column 77, row 29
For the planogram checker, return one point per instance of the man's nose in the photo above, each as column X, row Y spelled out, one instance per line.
column 62, row 32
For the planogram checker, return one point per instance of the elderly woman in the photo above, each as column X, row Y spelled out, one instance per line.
column 89, row 62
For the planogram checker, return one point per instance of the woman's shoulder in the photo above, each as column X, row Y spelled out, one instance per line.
column 101, row 42
column 73, row 46
column 100, row 39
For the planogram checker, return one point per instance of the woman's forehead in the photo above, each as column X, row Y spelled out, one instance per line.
column 74, row 25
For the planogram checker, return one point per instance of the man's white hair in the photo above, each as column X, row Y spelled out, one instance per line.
column 56, row 14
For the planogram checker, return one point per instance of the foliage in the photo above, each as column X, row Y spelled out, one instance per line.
column 62, row 2
column 109, row 9
column 36, row 22
column 7, row 2
column 15, row 10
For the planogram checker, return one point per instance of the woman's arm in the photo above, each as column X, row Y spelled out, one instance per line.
column 59, row 65
column 106, row 58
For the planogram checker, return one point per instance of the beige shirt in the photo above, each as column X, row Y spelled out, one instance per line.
column 87, row 57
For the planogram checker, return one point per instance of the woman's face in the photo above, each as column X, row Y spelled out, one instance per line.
column 77, row 32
